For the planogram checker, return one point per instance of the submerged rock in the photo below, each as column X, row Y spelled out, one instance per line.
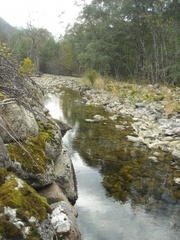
column 96, row 118
column 134, row 139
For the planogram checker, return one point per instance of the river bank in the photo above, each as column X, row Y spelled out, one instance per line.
column 37, row 180
column 152, row 125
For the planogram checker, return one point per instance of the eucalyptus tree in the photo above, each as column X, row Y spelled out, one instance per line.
column 138, row 38
column 172, row 13
column 100, row 39
column 38, row 37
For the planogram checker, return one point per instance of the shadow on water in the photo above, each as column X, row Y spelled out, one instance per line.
column 122, row 193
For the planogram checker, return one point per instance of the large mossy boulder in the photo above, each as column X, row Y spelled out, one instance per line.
column 31, row 160
column 22, row 211
column 26, row 215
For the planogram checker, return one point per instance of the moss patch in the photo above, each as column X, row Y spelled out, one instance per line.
column 3, row 174
column 27, row 202
column 8, row 230
column 2, row 97
column 32, row 155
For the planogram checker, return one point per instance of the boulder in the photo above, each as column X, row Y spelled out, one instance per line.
column 38, row 179
column 33, row 159
column 4, row 156
column 52, row 193
column 63, row 126
column 16, row 122
column 65, row 176
column 176, row 155
column 64, row 221
column 53, row 147
column 23, row 211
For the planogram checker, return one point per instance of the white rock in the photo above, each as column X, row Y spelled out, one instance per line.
column 134, row 139
column 177, row 180
column 60, row 220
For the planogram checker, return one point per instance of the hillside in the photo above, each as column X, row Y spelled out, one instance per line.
column 6, row 30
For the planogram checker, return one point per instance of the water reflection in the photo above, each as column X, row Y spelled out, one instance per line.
column 127, row 206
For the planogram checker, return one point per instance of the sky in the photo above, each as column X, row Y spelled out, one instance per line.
column 54, row 15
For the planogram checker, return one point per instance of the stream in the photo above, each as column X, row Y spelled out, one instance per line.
column 121, row 193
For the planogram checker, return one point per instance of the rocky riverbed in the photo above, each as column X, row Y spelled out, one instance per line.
column 154, row 123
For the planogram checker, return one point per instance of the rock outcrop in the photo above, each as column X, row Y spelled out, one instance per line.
column 30, row 147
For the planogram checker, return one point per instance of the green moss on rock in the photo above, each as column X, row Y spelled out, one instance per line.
column 32, row 155
column 3, row 174
column 17, row 195
column 2, row 97
column 8, row 230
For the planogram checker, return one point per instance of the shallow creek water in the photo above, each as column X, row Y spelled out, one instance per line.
column 120, row 189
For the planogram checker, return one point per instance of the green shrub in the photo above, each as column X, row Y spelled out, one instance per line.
column 26, row 67
column 92, row 75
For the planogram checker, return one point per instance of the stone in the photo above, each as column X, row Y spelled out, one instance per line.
column 119, row 127
column 140, row 105
column 156, row 154
column 16, row 206
column 53, row 193
column 36, row 180
column 176, row 155
column 16, row 122
column 53, row 147
column 64, row 221
column 134, row 139
column 114, row 117
column 96, row 118
column 65, row 176
column 167, row 196
column 153, row 159
column 176, row 180
column 60, row 220
column 47, row 230
column 99, row 118
column 4, row 156
column 90, row 120
column 63, row 126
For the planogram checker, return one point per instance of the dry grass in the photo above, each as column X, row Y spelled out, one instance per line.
column 171, row 100
column 99, row 84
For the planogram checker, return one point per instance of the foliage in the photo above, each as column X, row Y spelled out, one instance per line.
column 91, row 75
column 26, row 67
column 120, row 38
column 5, row 50
column 130, row 38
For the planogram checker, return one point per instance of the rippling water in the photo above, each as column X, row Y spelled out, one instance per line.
column 119, row 188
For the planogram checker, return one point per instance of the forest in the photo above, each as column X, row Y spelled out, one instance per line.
column 124, row 39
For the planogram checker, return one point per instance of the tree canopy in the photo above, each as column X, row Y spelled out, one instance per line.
column 137, row 39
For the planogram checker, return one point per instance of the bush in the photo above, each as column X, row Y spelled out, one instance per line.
column 92, row 75
column 26, row 67
column 5, row 50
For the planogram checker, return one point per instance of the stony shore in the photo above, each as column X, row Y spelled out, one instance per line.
column 151, row 122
